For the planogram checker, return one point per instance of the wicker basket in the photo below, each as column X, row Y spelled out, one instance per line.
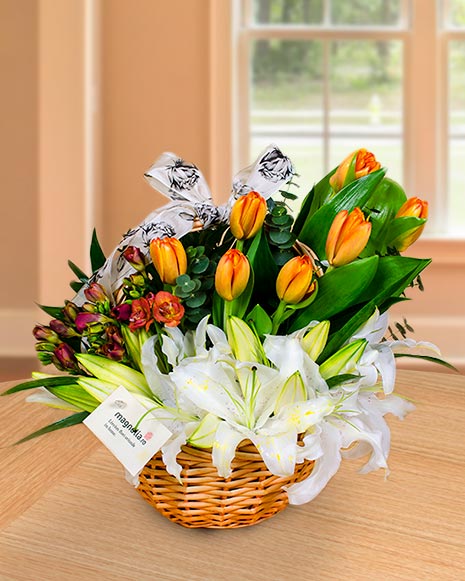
column 204, row 500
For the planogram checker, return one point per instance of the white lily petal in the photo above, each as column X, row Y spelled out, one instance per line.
column 177, row 337
column 287, row 354
column 411, row 347
column 158, row 382
column 224, row 448
column 386, row 365
column 325, row 467
column 171, row 349
column 209, row 387
column 260, row 388
column 220, row 341
column 372, row 430
column 43, row 396
column 307, row 413
column 169, row 451
column 374, row 329
column 279, row 451
column 200, row 337
column 395, row 405
column 311, row 449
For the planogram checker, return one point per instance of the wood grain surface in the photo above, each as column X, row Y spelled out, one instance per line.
column 68, row 513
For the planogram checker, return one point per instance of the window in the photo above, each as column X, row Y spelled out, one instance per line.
column 322, row 77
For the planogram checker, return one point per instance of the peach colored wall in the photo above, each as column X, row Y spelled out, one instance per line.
column 18, row 153
column 155, row 98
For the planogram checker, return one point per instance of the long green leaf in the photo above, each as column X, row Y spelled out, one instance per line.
column 429, row 358
column 315, row 230
column 313, row 201
column 394, row 274
column 43, row 382
column 338, row 290
column 55, row 312
column 97, row 257
column 82, row 276
column 60, row 424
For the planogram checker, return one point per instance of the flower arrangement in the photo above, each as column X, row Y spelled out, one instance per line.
column 239, row 323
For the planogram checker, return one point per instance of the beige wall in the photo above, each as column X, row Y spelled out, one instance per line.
column 155, row 91
column 154, row 81
column 18, row 153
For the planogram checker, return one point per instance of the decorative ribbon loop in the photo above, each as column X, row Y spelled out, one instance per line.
column 191, row 204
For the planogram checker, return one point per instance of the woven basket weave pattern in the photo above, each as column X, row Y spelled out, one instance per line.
column 250, row 495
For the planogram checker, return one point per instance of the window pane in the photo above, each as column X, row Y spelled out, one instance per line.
column 456, row 177
column 366, row 96
column 457, row 13
column 363, row 12
column 288, row 11
column 287, row 103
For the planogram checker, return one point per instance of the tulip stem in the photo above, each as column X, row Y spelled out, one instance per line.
column 240, row 245
column 277, row 317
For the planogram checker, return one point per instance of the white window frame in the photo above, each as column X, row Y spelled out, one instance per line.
column 425, row 98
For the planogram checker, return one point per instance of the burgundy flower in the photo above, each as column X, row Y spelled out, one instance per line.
column 84, row 319
column 65, row 356
column 113, row 347
column 141, row 314
column 122, row 312
column 135, row 258
column 95, row 293
column 61, row 329
column 167, row 309
column 43, row 333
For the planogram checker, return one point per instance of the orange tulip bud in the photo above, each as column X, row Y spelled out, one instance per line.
column 347, row 237
column 169, row 258
column 365, row 163
column 232, row 274
column 294, row 282
column 247, row 215
column 413, row 207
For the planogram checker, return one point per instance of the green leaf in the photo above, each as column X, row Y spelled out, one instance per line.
column 43, row 382
column 262, row 262
column 313, row 201
column 97, row 257
column 429, row 358
column 64, row 423
column 401, row 226
column 260, row 319
column 342, row 378
column 315, row 229
column 82, row 276
column 200, row 265
column 55, row 312
column 280, row 236
column 393, row 276
column 338, row 289
column 75, row 395
column 196, row 301
column 76, row 286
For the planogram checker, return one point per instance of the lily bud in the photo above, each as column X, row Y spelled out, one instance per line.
column 315, row 340
column 347, row 237
column 232, row 274
column 416, row 208
column 169, row 258
column 135, row 257
column 244, row 343
column 247, row 215
column 294, row 282
column 365, row 163
column 344, row 360
column 43, row 333
column 95, row 293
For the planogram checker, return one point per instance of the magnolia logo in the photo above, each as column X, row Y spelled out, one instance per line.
column 126, row 425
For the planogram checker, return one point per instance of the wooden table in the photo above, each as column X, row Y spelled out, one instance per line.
column 68, row 513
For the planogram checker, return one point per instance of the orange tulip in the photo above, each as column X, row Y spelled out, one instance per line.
column 247, row 215
column 418, row 209
column 365, row 163
column 169, row 258
column 294, row 282
column 347, row 237
column 232, row 274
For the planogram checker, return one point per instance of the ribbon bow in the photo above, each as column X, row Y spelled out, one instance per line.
column 191, row 205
